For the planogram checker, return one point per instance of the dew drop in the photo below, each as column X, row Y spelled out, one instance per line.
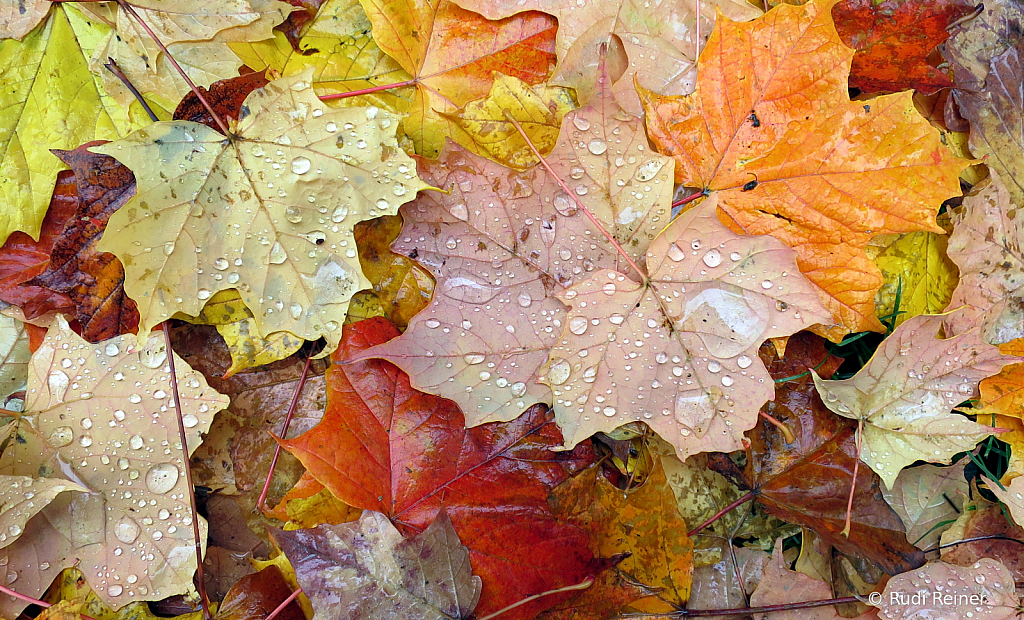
column 518, row 389
column 295, row 309
column 432, row 323
column 135, row 399
column 713, row 258
column 597, row 147
column 727, row 381
column 743, row 361
column 126, row 530
column 111, row 349
column 62, row 436
column 581, row 190
column 609, row 411
column 115, row 590
column 161, row 478
column 524, row 300
column 85, row 441
column 766, row 284
column 616, row 319
column 474, row 358
column 581, row 123
column 339, row 214
column 189, row 420
column 609, row 288
column 558, row 371
column 136, row 442
column 565, row 205
column 277, row 254
column 578, row 325
column 675, row 253
column 293, row 214
column 301, row 165
column 714, row 366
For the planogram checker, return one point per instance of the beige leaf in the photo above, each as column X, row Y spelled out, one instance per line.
column 779, row 586
column 102, row 416
column 928, row 500
column 985, row 590
column 272, row 209
column 21, row 497
column 906, row 392
column 14, row 355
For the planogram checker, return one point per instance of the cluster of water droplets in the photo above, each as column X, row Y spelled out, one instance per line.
column 108, row 411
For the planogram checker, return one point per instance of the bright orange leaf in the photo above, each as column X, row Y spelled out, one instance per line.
column 771, row 130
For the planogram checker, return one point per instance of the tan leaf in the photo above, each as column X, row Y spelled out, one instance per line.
column 928, row 500
column 906, row 392
column 985, row 589
column 102, row 416
column 779, row 586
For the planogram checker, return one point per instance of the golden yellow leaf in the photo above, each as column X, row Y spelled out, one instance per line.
column 50, row 101
column 400, row 287
column 306, row 512
column 73, row 590
column 248, row 349
column 481, row 125
column 915, row 267
column 272, row 209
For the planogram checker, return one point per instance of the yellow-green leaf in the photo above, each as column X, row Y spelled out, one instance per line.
column 916, row 269
column 248, row 349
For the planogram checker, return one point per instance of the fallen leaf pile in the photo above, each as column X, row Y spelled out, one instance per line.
column 476, row 309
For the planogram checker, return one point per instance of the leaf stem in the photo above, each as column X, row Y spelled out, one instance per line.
column 367, row 91
column 583, row 585
column 34, row 601
column 853, row 483
column 203, row 599
column 206, row 104
column 721, row 513
column 111, row 65
column 572, row 195
column 786, row 433
column 767, row 609
column 291, row 597
column 690, row 198
column 261, row 501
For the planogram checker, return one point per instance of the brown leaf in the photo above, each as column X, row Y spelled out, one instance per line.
column 365, row 570
column 256, row 595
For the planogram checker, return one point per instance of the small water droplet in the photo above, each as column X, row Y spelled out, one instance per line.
column 62, row 436
column 115, row 589
column 675, row 253
column 766, row 284
column 714, row 366
column 340, row 213
column 277, row 254
column 524, row 300
column 581, row 123
column 432, row 323
column 111, row 349
column 136, row 442
column 609, row 411
column 518, row 389
column 135, row 399
column 727, row 381
column 474, row 358
column 85, row 441
column 743, row 361
column 616, row 319
column 735, row 256
column 295, row 309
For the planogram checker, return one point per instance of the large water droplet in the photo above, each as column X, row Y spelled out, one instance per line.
column 518, row 389
column 675, row 253
column 161, row 478
column 301, row 165
column 581, row 123
column 474, row 358
column 153, row 357
column 221, row 264
column 340, row 213
column 115, row 589
column 597, row 147
column 295, row 309
column 58, row 382
column 565, row 205
column 111, row 349
column 277, row 254
column 712, row 258
column 578, row 325
column 743, row 361
column 649, row 170
column 558, row 371
column 136, row 442
column 524, row 299
column 126, row 530
column 61, row 436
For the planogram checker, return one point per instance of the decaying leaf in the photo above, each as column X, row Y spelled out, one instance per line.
column 272, row 209
column 779, row 585
column 102, row 416
column 642, row 523
column 984, row 531
column 366, row 570
column 905, row 395
column 384, row 446
column 985, row 589
column 772, row 132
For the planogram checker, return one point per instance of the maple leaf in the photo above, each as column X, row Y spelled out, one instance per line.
column 772, row 132
column 93, row 281
column 384, row 446
column 85, row 422
column 986, row 55
column 642, row 523
column 494, row 310
column 917, row 272
column 986, row 246
column 983, row 531
column 14, row 356
column 20, row 18
column 780, row 585
column 987, row 581
column 257, row 595
column 927, row 498
column 658, row 40
column 365, row 569
column 1004, row 393
column 195, row 32
column 279, row 231
column 905, row 394
column 908, row 30
column 807, row 480
column 22, row 258
column 49, row 65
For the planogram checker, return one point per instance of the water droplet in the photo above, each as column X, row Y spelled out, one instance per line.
column 743, row 361
column 609, row 288
column 581, row 123
column 115, row 589
column 609, row 411
column 597, row 147
column 451, row 243
column 136, row 442
column 484, row 375
column 581, row 190
column 649, row 170
column 189, row 420
column 766, row 284
column 135, row 399
column 111, row 349
column 727, row 381
column 277, row 254
column 58, row 382
column 301, row 165
column 616, row 319
column 168, row 249
column 558, row 371
column 735, row 256
column 126, row 530
column 340, row 213
column 85, row 441
column 565, row 205
column 518, row 389
column 524, row 300
column 295, row 309
column 714, row 366
column 713, row 258
column 432, row 323
column 474, row 358
column 675, row 253
column 161, row 478
column 62, row 436
column 578, row 325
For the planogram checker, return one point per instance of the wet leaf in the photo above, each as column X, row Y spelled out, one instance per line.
column 905, row 29
column 906, row 393
column 610, row 593
column 256, row 595
column 86, row 422
column 401, row 288
column 385, row 446
column 815, row 170
column 293, row 260
column 366, row 570
column 71, row 586
column 14, row 356
column 643, row 523
column 779, row 585
column 917, row 270
column 986, row 586
column 984, row 531
column 1004, row 393
column 807, row 482
column 657, row 41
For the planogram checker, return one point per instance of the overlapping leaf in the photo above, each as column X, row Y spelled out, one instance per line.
column 502, row 243
column 905, row 395
column 928, row 499
column 986, row 583
column 918, row 275
column 387, row 447
column 808, row 481
column 772, row 132
column 896, row 29
column 268, row 212
column 658, row 40
column 102, row 416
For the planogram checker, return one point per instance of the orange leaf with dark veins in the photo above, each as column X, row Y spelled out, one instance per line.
column 385, row 446
column 909, row 30
column 22, row 258
column 772, row 132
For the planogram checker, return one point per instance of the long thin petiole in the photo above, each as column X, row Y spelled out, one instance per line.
column 199, row 95
column 853, row 483
column 367, row 91
column 111, row 65
column 291, row 597
column 203, row 599
column 260, row 503
column 583, row 585
column 721, row 513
